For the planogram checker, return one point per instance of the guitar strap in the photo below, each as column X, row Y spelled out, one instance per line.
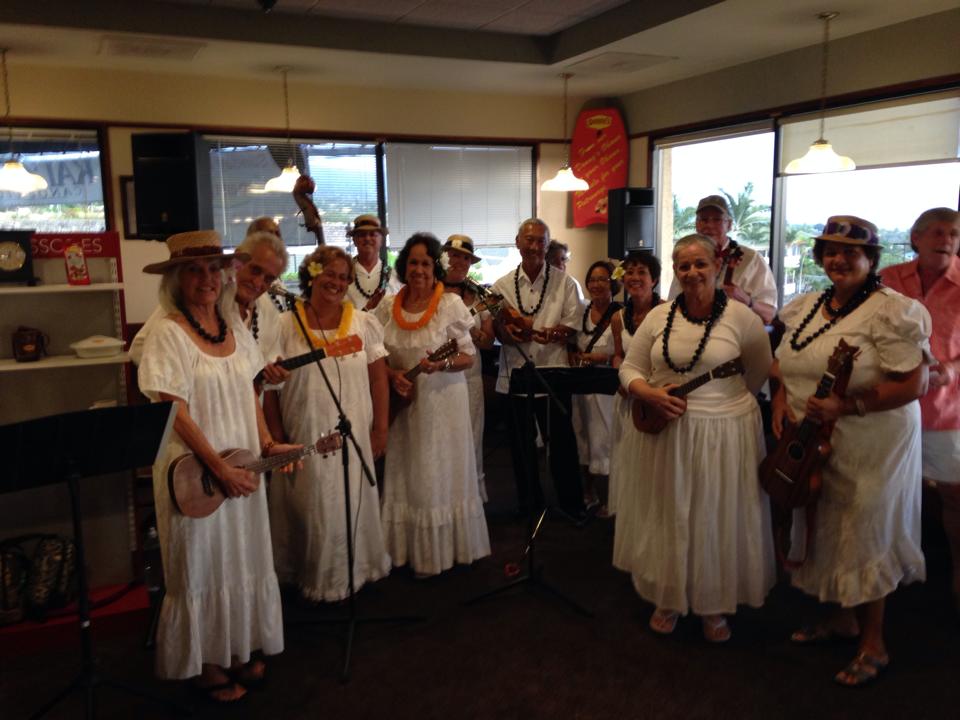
column 602, row 325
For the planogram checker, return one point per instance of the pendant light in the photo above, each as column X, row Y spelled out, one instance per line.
column 285, row 181
column 821, row 158
column 565, row 180
column 14, row 177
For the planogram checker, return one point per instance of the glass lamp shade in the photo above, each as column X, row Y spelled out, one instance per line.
column 14, row 177
column 820, row 158
column 283, row 182
column 565, row 181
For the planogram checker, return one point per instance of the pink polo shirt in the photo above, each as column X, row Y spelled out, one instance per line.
column 940, row 406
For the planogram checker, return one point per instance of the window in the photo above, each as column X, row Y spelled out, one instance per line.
column 346, row 186
column 70, row 163
column 735, row 163
column 477, row 190
column 907, row 161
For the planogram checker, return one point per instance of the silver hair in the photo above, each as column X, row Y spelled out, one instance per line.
column 262, row 237
column 696, row 238
column 933, row 215
column 533, row 221
column 170, row 295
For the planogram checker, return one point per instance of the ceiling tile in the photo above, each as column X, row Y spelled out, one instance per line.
column 522, row 21
column 385, row 10
column 446, row 13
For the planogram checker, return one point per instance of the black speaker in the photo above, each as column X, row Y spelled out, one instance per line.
column 631, row 221
column 171, row 178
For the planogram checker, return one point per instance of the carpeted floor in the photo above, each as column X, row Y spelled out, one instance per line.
column 526, row 654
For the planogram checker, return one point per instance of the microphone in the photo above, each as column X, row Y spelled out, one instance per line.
column 278, row 290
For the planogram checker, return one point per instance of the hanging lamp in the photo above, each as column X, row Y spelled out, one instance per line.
column 285, row 181
column 821, row 157
column 14, row 177
column 565, row 180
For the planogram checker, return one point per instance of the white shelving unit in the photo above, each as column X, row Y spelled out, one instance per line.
column 60, row 288
column 60, row 361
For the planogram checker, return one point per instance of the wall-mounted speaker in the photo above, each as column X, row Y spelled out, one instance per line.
column 631, row 221
column 171, row 176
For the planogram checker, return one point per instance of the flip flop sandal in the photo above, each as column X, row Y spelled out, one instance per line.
column 819, row 635
column 207, row 692
column 716, row 631
column 248, row 676
column 664, row 622
column 861, row 671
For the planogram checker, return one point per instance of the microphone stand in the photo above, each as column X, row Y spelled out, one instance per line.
column 533, row 576
column 345, row 429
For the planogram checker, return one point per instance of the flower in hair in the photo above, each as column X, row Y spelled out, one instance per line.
column 444, row 261
column 618, row 272
column 314, row 268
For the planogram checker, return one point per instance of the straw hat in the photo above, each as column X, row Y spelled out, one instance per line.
column 463, row 244
column 196, row 245
column 851, row 230
column 367, row 222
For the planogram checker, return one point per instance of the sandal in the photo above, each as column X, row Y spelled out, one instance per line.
column 862, row 670
column 819, row 635
column 251, row 675
column 716, row 629
column 664, row 622
column 209, row 692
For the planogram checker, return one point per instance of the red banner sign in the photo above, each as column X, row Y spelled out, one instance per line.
column 47, row 246
column 599, row 154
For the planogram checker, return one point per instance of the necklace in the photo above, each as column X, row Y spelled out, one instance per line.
column 198, row 328
column 346, row 317
column 628, row 322
column 586, row 316
column 254, row 326
column 401, row 297
column 719, row 304
column 543, row 290
column 381, row 281
column 835, row 315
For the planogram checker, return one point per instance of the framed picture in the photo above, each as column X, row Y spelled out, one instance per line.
column 128, row 198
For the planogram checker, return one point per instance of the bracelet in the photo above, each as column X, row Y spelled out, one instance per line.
column 859, row 405
column 266, row 446
column 447, row 364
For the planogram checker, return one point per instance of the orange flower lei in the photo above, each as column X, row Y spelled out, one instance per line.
column 404, row 324
column 345, row 319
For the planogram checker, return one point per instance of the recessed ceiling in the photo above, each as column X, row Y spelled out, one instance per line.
column 614, row 47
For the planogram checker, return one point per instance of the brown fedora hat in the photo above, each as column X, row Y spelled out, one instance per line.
column 196, row 245
column 464, row 244
column 367, row 222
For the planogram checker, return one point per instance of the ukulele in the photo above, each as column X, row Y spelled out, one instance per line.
column 647, row 420
column 196, row 492
column 397, row 402
column 790, row 474
column 336, row 348
column 734, row 259
column 302, row 191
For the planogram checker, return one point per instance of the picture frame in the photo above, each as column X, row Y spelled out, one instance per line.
column 128, row 202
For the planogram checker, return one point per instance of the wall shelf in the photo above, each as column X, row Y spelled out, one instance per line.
column 59, row 288
column 61, row 361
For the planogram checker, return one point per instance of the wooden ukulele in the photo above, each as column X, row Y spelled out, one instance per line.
column 302, row 191
column 733, row 259
column 336, row 348
column 791, row 473
column 197, row 493
column 646, row 419
column 397, row 402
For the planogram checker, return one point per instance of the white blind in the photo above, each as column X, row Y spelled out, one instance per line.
column 910, row 130
column 480, row 191
column 345, row 175
column 724, row 133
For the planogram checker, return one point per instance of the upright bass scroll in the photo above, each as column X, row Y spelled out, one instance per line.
column 302, row 192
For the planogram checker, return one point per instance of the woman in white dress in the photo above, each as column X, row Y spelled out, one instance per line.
column 222, row 600
column 593, row 414
column 867, row 535
column 698, row 521
column 432, row 513
column 307, row 507
column 460, row 256
column 640, row 274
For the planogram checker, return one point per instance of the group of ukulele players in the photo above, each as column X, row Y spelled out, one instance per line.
column 864, row 393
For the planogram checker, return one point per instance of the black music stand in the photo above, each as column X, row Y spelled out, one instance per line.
column 528, row 381
column 67, row 448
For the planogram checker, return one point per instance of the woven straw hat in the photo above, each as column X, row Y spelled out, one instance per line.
column 196, row 245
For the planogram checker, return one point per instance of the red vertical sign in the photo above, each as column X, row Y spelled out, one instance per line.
column 599, row 154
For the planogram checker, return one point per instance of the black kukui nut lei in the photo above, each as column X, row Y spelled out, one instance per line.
column 719, row 304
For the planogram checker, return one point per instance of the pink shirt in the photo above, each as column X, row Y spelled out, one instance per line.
column 940, row 406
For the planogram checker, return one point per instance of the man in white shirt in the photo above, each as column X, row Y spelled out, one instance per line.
column 545, row 299
column 750, row 278
column 373, row 280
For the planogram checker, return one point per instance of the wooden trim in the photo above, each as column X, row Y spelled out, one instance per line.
column 916, row 87
column 106, row 178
